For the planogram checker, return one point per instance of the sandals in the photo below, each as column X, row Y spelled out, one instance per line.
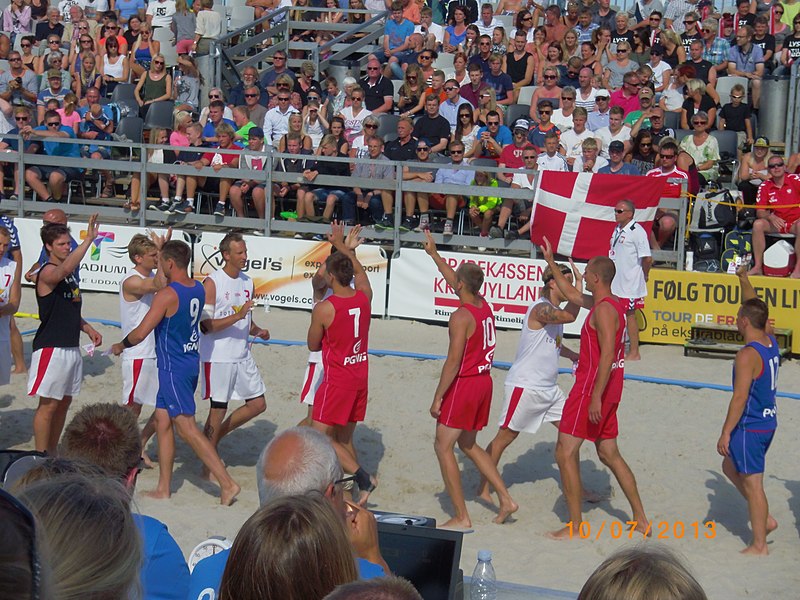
column 108, row 190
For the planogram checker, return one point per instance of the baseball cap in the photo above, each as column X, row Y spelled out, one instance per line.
column 657, row 50
column 761, row 142
column 521, row 124
column 616, row 146
column 423, row 143
column 53, row 73
column 255, row 132
column 602, row 94
column 646, row 91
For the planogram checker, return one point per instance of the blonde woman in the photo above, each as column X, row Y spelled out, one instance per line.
column 143, row 51
column 487, row 102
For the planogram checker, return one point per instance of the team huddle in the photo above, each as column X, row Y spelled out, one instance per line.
column 177, row 330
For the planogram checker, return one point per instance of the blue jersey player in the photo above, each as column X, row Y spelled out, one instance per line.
column 751, row 420
column 175, row 316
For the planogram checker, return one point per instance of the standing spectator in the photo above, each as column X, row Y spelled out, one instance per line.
column 187, row 81
column 209, row 27
column 18, row 84
column 746, row 59
column 159, row 13
column 183, row 27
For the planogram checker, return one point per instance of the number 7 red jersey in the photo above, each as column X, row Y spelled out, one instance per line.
column 479, row 349
column 346, row 341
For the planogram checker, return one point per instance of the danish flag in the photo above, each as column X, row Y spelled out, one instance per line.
column 576, row 210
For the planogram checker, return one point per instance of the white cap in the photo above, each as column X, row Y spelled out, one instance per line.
column 484, row 555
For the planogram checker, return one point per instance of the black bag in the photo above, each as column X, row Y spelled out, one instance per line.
column 715, row 215
column 737, row 243
column 706, row 252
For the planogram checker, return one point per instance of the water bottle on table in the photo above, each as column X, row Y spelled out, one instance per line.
column 484, row 584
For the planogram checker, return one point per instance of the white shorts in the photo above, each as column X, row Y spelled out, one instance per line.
column 55, row 373
column 5, row 362
column 312, row 378
column 139, row 381
column 526, row 409
column 232, row 381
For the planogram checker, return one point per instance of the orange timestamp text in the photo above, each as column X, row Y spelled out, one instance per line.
column 661, row 530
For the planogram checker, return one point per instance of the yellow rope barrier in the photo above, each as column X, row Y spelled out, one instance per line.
column 23, row 315
column 740, row 204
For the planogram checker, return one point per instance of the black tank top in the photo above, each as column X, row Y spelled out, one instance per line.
column 516, row 68
column 60, row 315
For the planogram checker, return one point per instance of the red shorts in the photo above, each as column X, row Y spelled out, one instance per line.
column 437, row 201
column 631, row 304
column 467, row 402
column 334, row 405
column 575, row 419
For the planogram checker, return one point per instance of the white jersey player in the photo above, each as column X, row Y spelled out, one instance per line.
column 136, row 291
column 532, row 395
column 228, row 369
column 10, row 293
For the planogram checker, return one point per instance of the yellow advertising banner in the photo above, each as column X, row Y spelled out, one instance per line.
column 677, row 299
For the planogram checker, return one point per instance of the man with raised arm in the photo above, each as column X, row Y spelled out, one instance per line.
column 751, row 420
column 463, row 397
column 229, row 369
column 175, row 316
column 56, row 364
column 590, row 412
column 340, row 328
column 532, row 395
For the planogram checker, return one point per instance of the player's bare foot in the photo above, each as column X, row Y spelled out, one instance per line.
column 146, row 462
column 565, row 533
column 228, row 495
column 756, row 271
column 506, row 510
column 772, row 524
column 158, row 494
column 457, row 524
column 363, row 495
column 763, row 551
column 632, row 356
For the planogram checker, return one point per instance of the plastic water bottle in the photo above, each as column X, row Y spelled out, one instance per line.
column 484, row 584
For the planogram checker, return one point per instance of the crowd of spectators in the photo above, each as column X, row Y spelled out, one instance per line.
column 587, row 89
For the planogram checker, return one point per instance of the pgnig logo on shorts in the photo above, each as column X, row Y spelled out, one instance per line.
column 102, row 236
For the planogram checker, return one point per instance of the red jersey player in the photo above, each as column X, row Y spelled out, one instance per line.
column 340, row 328
column 464, row 395
column 590, row 412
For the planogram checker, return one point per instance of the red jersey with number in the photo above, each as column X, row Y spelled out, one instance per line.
column 479, row 349
column 586, row 374
column 789, row 193
column 345, row 342
column 671, row 190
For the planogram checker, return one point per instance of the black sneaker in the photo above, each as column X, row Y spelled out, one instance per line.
column 511, row 235
column 219, row 209
column 165, row 206
column 407, row 224
column 387, row 222
column 495, row 232
column 181, row 208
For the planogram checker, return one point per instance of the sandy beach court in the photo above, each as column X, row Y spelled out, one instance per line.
column 668, row 436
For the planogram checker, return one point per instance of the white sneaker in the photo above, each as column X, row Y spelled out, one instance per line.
column 448, row 227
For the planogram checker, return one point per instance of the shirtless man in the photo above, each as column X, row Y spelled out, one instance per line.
column 175, row 316
column 229, row 369
column 463, row 397
column 590, row 412
column 340, row 328
column 532, row 395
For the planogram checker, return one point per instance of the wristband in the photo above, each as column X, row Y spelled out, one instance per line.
column 126, row 342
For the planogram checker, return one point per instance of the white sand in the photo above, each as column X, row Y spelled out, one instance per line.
column 669, row 437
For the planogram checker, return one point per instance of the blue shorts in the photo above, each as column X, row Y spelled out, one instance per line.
column 176, row 393
column 749, row 450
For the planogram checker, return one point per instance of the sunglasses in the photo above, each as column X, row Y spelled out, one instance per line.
column 699, row 122
column 450, row 89
column 251, row 95
column 667, row 155
column 161, row 62
column 527, row 18
column 549, row 76
column 619, row 211
column 214, row 96
column 545, row 112
column 412, row 77
column 462, row 115
column 493, row 123
column 283, row 99
column 54, row 124
column 423, row 149
column 370, row 126
column 456, row 152
column 570, row 98
column 688, row 22
column 645, row 145
column 20, row 118
column 528, row 158
column 278, row 58
column 25, row 45
column 54, row 42
column 425, row 57
column 373, row 69
column 776, row 165
column 359, row 98
column 736, row 97
column 708, row 30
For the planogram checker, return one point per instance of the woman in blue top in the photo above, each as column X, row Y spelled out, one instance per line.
column 456, row 33
column 128, row 8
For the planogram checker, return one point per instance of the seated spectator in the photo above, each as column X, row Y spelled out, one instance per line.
column 276, row 120
column 269, row 79
column 404, row 146
column 179, row 136
column 488, row 103
column 22, row 118
column 616, row 165
column 255, row 110
column 194, row 132
column 570, row 75
column 315, row 125
column 549, row 90
column 589, row 161
column 666, row 221
column 220, row 160
column 114, row 68
column 249, row 79
column 662, row 71
column 358, row 149
column 639, row 573
column 400, row 61
column 50, row 26
column 482, row 208
column 160, row 137
column 17, row 18
column 436, row 89
column 396, row 34
column 554, row 59
column 409, row 94
column 562, row 116
column 656, row 127
column 55, row 58
column 144, row 49
column 571, row 140
column 484, row 45
column 472, row 91
column 97, row 127
column 88, row 75
column 642, row 154
column 466, row 129
column 550, row 159
column 18, row 84
column 703, row 148
column 455, row 35
column 243, row 124
column 52, row 46
column 295, row 125
column 642, row 115
column 385, row 588
column 519, row 63
column 295, row 163
column 305, row 85
column 451, row 174
column 243, row 189
column 434, row 126
column 129, row 9
column 673, row 95
column 26, row 50
column 94, row 548
column 48, row 181
column 754, row 170
column 154, row 86
column 511, row 156
column 111, row 30
column 383, row 213
column 492, row 138
column 131, row 34
column 791, row 47
column 539, row 131
column 599, row 116
column 354, row 114
column 423, row 174
column 627, row 97
column 736, row 116
column 616, row 130
column 520, row 208
column 746, row 59
column 674, row 51
column 330, row 196
column 500, row 81
column 337, row 131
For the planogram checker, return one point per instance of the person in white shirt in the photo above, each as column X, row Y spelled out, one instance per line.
column 433, row 32
column 276, row 120
column 159, row 13
column 616, row 130
column 598, row 118
column 570, row 144
column 550, row 159
column 585, row 94
column 229, row 371
column 520, row 181
column 630, row 251
column 589, row 161
column 208, row 27
column 486, row 23
column 562, row 116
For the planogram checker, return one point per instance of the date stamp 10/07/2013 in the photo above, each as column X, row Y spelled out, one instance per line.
column 661, row 530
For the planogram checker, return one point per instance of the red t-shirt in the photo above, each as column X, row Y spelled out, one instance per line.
column 479, row 349
column 511, row 156
column 346, row 341
column 227, row 159
column 671, row 190
column 788, row 193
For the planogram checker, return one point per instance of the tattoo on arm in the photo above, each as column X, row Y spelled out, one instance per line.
column 547, row 314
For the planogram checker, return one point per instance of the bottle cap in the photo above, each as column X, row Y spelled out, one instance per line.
column 484, row 555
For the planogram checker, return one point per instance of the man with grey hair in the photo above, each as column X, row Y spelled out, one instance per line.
column 382, row 588
column 298, row 461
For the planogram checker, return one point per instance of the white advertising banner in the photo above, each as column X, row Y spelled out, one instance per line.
column 107, row 259
column 418, row 291
column 282, row 268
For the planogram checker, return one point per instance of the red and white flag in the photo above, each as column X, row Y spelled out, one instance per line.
column 576, row 210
